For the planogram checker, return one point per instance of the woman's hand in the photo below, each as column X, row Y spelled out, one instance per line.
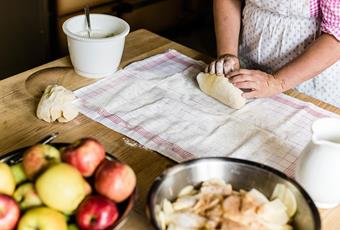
column 256, row 83
column 223, row 65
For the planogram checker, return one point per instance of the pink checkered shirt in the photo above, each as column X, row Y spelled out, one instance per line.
column 329, row 13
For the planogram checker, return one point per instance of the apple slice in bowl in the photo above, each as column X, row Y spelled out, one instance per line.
column 124, row 207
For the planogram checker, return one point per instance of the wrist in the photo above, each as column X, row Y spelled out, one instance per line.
column 227, row 55
column 280, row 82
column 229, row 51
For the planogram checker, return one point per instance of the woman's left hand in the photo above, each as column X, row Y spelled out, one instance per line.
column 256, row 83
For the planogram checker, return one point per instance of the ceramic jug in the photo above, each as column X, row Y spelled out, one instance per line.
column 318, row 168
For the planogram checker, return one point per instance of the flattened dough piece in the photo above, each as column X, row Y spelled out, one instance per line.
column 221, row 89
column 56, row 104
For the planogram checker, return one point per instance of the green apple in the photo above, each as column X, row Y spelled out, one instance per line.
column 39, row 157
column 26, row 196
column 62, row 187
column 42, row 218
column 18, row 173
column 72, row 227
column 7, row 182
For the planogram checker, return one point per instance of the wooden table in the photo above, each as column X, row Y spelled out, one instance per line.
column 19, row 126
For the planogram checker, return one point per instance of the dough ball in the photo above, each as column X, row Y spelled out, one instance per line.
column 56, row 105
column 221, row 89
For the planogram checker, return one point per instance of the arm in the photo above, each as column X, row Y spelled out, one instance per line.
column 323, row 52
column 227, row 19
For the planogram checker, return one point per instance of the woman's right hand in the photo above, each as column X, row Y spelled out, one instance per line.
column 223, row 65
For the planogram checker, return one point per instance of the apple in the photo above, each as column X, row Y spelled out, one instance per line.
column 62, row 187
column 7, row 182
column 115, row 180
column 39, row 157
column 96, row 213
column 84, row 154
column 26, row 196
column 18, row 173
column 42, row 218
column 72, row 227
column 9, row 212
column 87, row 188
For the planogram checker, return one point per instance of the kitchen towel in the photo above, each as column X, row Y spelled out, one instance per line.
column 157, row 102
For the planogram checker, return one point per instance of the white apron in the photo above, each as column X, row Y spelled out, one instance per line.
column 277, row 31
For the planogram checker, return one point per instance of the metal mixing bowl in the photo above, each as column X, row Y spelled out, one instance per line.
column 241, row 174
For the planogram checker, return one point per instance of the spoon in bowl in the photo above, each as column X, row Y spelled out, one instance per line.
column 88, row 22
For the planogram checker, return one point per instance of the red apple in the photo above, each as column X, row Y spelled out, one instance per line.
column 84, row 154
column 96, row 212
column 115, row 180
column 39, row 157
column 9, row 212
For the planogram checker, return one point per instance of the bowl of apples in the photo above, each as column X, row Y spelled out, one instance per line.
column 64, row 186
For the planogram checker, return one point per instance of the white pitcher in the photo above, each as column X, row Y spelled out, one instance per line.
column 318, row 168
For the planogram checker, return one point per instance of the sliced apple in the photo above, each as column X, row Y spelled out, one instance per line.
column 268, row 226
column 273, row 212
column 186, row 191
column 167, row 207
column 287, row 197
column 258, row 196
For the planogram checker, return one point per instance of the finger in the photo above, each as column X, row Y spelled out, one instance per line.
column 251, row 94
column 212, row 67
column 246, row 85
column 227, row 67
column 206, row 69
column 241, row 71
column 241, row 77
column 219, row 67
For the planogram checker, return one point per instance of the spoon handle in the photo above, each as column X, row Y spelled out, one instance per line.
column 49, row 138
column 88, row 22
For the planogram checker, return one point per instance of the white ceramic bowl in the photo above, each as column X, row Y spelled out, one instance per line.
column 100, row 55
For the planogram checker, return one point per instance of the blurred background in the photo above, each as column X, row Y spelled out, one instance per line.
column 31, row 30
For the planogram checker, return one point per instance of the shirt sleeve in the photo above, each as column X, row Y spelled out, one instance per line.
column 330, row 14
